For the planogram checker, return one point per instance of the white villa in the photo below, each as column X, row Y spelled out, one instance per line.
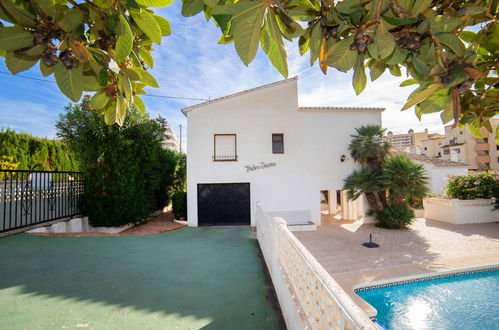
column 260, row 146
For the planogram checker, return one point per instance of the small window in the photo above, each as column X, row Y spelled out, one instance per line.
column 277, row 143
column 456, row 151
column 425, row 148
column 446, row 151
column 225, row 148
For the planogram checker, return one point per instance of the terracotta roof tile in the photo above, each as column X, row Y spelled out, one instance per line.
column 431, row 160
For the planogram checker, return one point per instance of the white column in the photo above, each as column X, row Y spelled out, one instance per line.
column 344, row 205
column 333, row 202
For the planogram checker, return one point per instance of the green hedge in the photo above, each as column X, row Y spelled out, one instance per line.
column 179, row 205
column 128, row 175
column 34, row 153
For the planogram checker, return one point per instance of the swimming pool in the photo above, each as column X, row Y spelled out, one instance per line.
column 468, row 301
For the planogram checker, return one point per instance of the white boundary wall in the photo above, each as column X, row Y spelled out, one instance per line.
column 459, row 212
column 309, row 297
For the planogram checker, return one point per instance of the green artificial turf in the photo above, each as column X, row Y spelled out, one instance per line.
column 191, row 278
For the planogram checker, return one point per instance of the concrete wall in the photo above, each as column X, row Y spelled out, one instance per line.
column 314, row 141
column 438, row 176
column 460, row 211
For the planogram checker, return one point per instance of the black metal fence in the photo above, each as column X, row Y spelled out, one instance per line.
column 32, row 197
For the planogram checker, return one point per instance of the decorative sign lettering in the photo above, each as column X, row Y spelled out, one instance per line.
column 250, row 168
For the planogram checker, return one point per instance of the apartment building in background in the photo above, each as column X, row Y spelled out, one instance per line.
column 432, row 146
column 457, row 145
column 411, row 142
column 460, row 145
column 171, row 141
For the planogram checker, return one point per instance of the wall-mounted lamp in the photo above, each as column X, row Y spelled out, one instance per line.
column 343, row 158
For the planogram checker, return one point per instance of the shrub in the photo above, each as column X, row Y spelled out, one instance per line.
column 415, row 203
column 473, row 185
column 34, row 153
column 179, row 205
column 127, row 173
column 397, row 216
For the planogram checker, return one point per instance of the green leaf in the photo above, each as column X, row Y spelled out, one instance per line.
column 444, row 23
column 192, row 7
column 115, row 112
column 376, row 69
column 436, row 102
column 315, row 42
column 211, row 3
column 497, row 135
column 134, row 75
column 303, row 43
column 384, row 41
column 124, row 43
column 420, row 6
column 146, row 56
column 45, row 69
column 471, row 10
column 148, row 25
column 14, row 38
column 400, row 21
column 154, row 3
column 90, row 83
column 341, row 56
column 35, row 51
column 448, row 114
column 48, row 6
column 420, row 66
column 69, row 80
column 126, row 85
column 468, row 36
column 71, row 20
column 421, row 95
column 99, row 100
column 359, row 76
column 408, row 82
column 139, row 104
column 273, row 45
column 397, row 57
column 146, row 77
column 395, row 70
column 164, row 25
column 452, row 42
column 18, row 14
column 246, row 28
column 223, row 22
column 16, row 63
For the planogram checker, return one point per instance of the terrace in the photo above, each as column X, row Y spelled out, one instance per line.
column 427, row 247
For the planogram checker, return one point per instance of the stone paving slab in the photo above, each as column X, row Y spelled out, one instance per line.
column 427, row 247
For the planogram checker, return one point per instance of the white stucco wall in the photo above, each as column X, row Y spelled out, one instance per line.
column 314, row 141
column 438, row 176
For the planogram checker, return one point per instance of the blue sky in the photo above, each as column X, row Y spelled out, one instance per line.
column 190, row 63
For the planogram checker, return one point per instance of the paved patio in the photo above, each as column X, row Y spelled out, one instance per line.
column 190, row 278
column 427, row 247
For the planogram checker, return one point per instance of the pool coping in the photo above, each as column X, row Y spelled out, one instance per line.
column 416, row 278
column 423, row 277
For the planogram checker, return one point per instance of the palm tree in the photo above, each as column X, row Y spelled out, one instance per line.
column 368, row 146
column 365, row 181
column 404, row 178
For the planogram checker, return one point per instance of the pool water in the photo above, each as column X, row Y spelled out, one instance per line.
column 469, row 301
